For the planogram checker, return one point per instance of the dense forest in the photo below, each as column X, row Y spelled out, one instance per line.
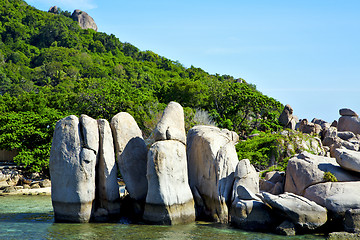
column 51, row 68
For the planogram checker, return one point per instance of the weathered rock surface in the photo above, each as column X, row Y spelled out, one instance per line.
column 343, row 236
column 352, row 221
column 346, row 135
column 348, row 159
column 54, row 9
column 169, row 199
column 347, row 112
column 108, row 188
column 252, row 215
column 131, row 154
column 246, row 181
column 337, row 197
column 349, row 123
column 299, row 210
column 212, row 160
column 72, row 170
column 310, row 128
column 171, row 125
column 306, row 169
column 287, row 119
column 85, row 20
column 273, row 182
column 286, row 228
column 323, row 124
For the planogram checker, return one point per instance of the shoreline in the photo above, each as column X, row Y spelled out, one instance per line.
column 46, row 191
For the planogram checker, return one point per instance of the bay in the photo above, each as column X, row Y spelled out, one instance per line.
column 31, row 217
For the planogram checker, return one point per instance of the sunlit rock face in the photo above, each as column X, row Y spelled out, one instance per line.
column 72, row 164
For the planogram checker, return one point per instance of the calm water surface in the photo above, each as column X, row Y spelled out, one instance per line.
column 31, row 217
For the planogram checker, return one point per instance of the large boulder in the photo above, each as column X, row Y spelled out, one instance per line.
column 54, row 9
column 85, row 20
column 131, row 154
column 306, row 169
column 72, row 169
column 309, row 127
column 337, row 197
column 287, row 119
column 347, row 112
column 171, row 125
column 252, row 215
column 348, row 159
column 246, row 181
column 273, row 182
column 349, row 121
column 107, row 186
column 299, row 210
column 169, row 199
column 212, row 160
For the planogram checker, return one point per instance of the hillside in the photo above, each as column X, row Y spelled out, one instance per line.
column 51, row 68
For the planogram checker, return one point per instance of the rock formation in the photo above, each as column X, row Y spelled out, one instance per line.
column 299, row 210
column 72, row 170
column 212, row 160
column 107, row 186
column 85, row 20
column 131, row 154
column 169, row 199
column 287, row 119
column 171, row 125
column 54, row 9
column 348, row 159
column 247, row 211
column 349, row 121
column 307, row 169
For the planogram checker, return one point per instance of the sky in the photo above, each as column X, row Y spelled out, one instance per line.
column 305, row 53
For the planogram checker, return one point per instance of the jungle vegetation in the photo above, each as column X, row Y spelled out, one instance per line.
column 51, row 68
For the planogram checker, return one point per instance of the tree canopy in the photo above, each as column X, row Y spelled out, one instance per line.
column 51, row 68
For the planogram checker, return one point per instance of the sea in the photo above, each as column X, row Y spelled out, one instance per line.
column 31, row 217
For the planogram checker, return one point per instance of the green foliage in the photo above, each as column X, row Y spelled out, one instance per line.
column 329, row 177
column 259, row 150
column 274, row 149
column 51, row 68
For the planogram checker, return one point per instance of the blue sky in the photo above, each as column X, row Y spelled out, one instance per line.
column 303, row 53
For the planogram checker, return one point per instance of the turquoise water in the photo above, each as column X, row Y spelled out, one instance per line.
column 31, row 217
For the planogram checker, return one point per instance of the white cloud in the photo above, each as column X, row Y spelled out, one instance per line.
column 69, row 5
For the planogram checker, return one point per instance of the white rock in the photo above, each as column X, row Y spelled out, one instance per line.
column 306, row 169
column 212, row 160
column 109, row 197
column 246, row 181
column 299, row 210
column 348, row 159
column 169, row 199
column 171, row 125
column 72, row 170
column 131, row 154
column 337, row 197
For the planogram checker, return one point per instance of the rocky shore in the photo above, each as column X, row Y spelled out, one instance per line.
column 181, row 178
